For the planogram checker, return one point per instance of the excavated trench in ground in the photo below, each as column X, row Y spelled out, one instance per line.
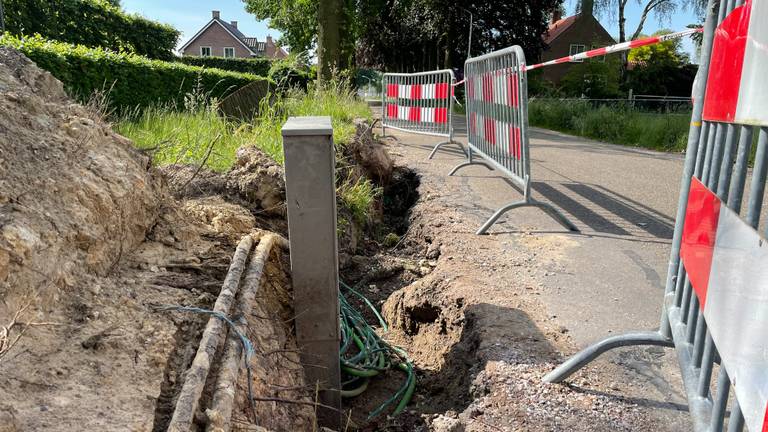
column 387, row 275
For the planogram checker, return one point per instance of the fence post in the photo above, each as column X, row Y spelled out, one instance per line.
column 310, row 162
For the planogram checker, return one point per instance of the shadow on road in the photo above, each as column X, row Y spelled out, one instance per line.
column 607, row 212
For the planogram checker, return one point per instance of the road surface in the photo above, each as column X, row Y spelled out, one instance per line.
column 610, row 277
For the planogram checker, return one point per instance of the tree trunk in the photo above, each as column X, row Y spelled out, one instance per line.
column 448, row 49
column 623, row 38
column 328, row 39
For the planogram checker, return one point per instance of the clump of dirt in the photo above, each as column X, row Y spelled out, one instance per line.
column 370, row 156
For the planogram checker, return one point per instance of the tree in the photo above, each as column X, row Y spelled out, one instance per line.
column 412, row 35
column 328, row 44
column 296, row 20
column 594, row 79
column 661, row 69
column 661, row 9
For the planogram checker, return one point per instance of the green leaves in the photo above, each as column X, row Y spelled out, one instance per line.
column 131, row 80
column 93, row 23
column 256, row 66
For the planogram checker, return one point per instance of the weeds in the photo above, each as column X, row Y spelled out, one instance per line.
column 618, row 125
column 200, row 136
column 358, row 196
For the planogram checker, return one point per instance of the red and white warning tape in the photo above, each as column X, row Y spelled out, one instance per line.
column 624, row 46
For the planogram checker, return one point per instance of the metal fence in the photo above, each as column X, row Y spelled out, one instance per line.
column 420, row 103
column 717, row 156
column 497, row 124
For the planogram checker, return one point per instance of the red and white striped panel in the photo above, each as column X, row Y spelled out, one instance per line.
column 418, row 114
column 500, row 87
column 737, row 88
column 497, row 133
column 418, row 91
column 727, row 264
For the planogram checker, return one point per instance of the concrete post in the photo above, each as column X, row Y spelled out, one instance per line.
column 310, row 163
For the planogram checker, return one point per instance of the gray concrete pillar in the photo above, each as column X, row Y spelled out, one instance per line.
column 310, row 163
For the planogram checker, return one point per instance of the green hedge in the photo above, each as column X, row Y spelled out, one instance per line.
column 93, row 23
column 135, row 81
column 256, row 66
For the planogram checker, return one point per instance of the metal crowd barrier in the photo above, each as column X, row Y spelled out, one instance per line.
column 497, row 124
column 420, row 103
column 715, row 309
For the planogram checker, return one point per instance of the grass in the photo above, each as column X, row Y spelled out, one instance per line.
column 185, row 137
column 618, row 125
column 198, row 135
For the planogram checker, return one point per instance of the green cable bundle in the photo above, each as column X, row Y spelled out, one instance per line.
column 364, row 354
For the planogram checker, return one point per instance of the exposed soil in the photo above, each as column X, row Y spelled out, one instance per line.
column 92, row 240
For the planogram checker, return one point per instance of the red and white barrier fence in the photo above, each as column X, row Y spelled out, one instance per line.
column 624, row 46
column 420, row 103
column 715, row 311
column 727, row 264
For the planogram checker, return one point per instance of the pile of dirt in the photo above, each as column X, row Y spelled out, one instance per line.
column 92, row 240
column 74, row 196
column 255, row 182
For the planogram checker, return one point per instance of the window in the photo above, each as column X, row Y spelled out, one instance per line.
column 229, row 52
column 205, row 51
column 575, row 49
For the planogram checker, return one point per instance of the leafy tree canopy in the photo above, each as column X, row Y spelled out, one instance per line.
column 410, row 35
column 668, row 52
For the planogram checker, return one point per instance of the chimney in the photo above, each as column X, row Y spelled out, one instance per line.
column 269, row 39
column 587, row 7
column 234, row 24
column 557, row 15
column 216, row 14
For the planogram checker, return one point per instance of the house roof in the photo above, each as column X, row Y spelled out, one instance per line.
column 229, row 28
column 251, row 43
column 560, row 26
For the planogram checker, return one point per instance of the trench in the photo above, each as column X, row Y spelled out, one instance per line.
column 385, row 275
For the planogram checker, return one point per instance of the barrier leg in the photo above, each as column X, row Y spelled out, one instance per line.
column 585, row 356
column 440, row 144
column 384, row 133
column 492, row 220
column 558, row 216
column 470, row 161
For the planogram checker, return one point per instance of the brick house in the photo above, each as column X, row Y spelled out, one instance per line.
column 219, row 38
column 571, row 35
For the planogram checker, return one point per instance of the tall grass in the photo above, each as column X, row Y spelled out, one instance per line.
column 198, row 135
column 185, row 137
column 618, row 125
column 188, row 136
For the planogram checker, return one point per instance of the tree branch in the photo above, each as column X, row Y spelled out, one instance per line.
column 649, row 7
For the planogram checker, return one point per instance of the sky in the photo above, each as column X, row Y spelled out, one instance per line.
column 189, row 16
